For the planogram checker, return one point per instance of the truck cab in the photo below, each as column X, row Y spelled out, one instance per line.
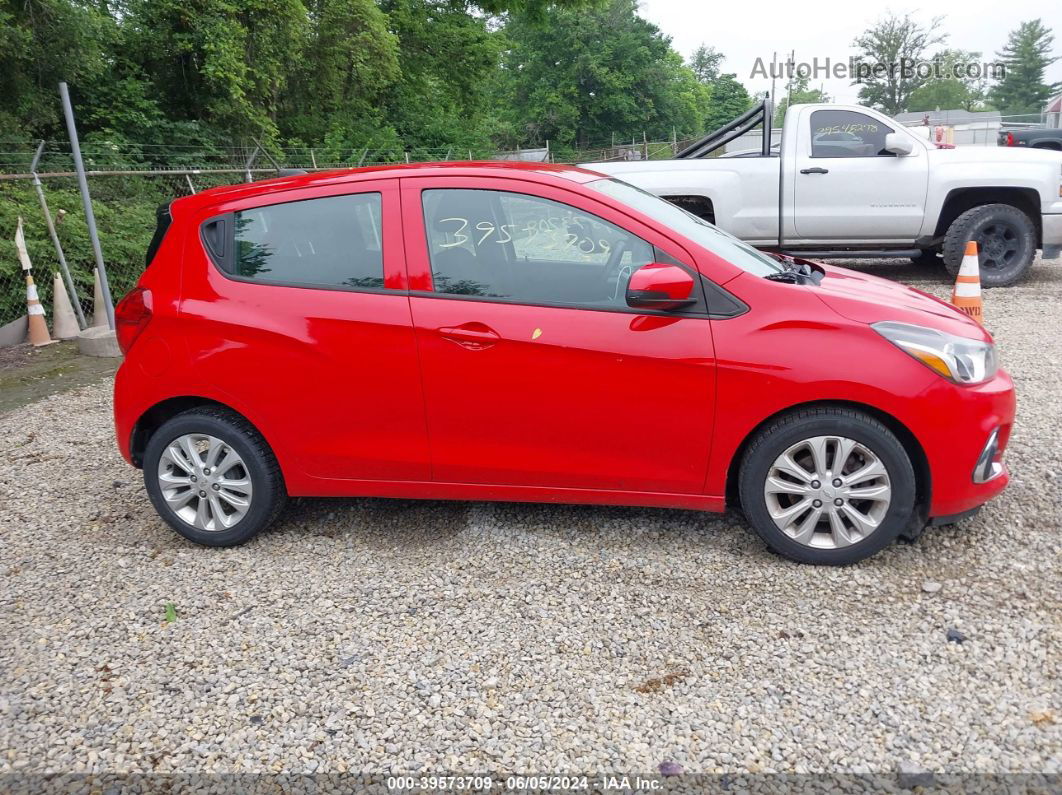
column 847, row 181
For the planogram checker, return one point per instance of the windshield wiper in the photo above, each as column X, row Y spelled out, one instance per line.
column 795, row 273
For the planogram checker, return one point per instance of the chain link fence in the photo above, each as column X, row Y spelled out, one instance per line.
column 127, row 188
column 124, row 206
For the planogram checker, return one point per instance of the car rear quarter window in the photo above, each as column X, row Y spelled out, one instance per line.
column 333, row 241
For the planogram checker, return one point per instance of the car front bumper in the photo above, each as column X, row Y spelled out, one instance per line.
column 966, row 421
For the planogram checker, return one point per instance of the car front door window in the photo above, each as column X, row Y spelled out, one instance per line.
column 528, row 249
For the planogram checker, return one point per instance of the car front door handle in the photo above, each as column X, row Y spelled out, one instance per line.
column 815, row 170
column 474, row 336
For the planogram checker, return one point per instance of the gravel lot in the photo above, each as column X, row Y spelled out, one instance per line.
column 402, row 636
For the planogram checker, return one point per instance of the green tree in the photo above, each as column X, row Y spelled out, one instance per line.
column 951, row 86
column 1025, row 57
column 892, row 43
column 705, row 63
column 579, row 76
column 449, row 58
column 798, row 92
column 727, row 99
column 223, row 63
column 725, row 96
column 41, row 43
column 348, row 60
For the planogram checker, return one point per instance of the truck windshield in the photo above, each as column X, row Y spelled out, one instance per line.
column 696, row 229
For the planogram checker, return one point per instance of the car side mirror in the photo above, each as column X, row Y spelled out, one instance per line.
column 898, row 144
column 660, row 286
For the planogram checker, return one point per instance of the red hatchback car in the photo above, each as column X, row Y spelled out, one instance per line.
column 525, row 332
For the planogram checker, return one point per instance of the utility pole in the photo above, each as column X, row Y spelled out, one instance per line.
column 789, row 78
column 774, row 63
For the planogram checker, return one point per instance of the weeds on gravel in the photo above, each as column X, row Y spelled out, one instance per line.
column 658, row 683
column 171, row 613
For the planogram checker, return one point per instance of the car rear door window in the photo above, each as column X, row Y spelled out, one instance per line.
column 333, row 241
column 527, row 249
column 847, row 133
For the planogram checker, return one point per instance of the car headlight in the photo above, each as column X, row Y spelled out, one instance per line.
column 959, row 359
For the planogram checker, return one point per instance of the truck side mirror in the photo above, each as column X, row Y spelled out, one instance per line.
column 898, row 144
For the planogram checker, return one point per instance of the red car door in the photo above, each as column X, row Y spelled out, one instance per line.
column 536, row 372
column 303, row 319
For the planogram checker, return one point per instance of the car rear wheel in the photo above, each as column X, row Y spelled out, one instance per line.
column 212, row 477
column 1006, row 243
column 827, row 486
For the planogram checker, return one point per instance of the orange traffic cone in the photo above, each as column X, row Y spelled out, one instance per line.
column 38, row 326
column 967, row 293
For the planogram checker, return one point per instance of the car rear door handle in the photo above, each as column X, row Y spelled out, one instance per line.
column 815, row 170
column 474, row 336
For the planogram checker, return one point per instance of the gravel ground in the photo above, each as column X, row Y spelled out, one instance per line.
column 402, row 636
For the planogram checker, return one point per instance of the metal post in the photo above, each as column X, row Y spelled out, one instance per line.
column 270, row 157
column 250, row 162
column 191, row 187
column 768, row 124
column 55, row 237
column 86, row 200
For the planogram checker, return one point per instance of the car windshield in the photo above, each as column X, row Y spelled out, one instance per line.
column 696, row 229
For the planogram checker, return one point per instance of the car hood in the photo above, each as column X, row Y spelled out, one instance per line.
column 869, row 299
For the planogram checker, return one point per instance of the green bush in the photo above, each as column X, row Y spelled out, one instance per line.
column 125, row 218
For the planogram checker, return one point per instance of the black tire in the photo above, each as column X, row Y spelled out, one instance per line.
column 269, row 495
column 928, row 257
column 1006, row 240
column 772, row 440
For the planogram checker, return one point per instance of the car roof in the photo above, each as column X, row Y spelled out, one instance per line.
column 537, row 172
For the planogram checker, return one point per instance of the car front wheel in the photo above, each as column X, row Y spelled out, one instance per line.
column 212, row 477
column 827, row 486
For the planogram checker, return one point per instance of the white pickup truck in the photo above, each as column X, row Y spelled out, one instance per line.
column 846, row 181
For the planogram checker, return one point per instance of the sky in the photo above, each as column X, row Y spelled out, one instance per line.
column 745, row 31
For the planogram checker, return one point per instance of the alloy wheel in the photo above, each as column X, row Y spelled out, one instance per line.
column 205, row 482
column 827, row 492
